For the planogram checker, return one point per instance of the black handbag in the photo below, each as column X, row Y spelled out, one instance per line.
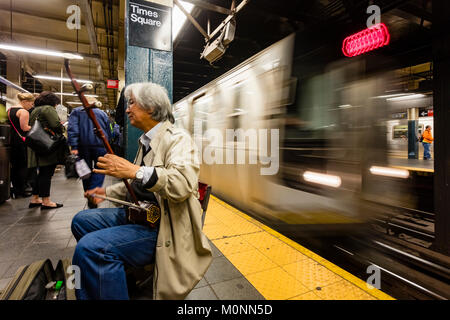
column 70, row 170
column 42, row 142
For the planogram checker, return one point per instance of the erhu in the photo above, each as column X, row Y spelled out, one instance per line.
column 150, row 210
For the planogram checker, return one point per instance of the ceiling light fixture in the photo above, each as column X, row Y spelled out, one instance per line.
column 178, row 18
column 408, row 97
column 45, row 52
column 392, row 95
column 59, row 79
column 75, row 95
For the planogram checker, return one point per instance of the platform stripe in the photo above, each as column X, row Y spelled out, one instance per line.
column 318, row 259
column 414, row 169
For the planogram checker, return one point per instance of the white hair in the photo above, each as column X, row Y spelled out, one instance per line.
column 152, row 97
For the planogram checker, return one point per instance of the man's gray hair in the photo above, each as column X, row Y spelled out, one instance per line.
column 152, row 97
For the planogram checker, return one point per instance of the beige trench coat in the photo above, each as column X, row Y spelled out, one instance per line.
column 183, row 253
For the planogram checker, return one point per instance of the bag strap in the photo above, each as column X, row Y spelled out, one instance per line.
column 23, row 138
column 48, row 130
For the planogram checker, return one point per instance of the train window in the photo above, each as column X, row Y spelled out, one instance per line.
column 181, row 116
column 235, row 116
column 309, row 115
column 399, row 132
column 201, row 112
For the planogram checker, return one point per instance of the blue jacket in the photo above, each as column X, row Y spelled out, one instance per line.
column 115, row 138
column 80, row 131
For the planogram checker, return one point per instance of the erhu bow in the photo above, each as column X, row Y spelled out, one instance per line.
column 98, row 130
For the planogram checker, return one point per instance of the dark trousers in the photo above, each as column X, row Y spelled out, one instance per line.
column 107, row 244
column 19, row 167
column 43, row 181
column 31, row 177
column 90, row 155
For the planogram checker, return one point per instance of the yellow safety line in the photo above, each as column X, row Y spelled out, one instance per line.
column 332, row 267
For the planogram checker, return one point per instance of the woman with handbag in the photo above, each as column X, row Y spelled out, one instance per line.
column 18, row 118
column 45, row 113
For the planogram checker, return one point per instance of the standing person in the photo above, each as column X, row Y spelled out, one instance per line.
column 85, row 143
column 18, row 117
column 427, row 141
column 32, row 172
column 164, row 172
column 115, row 137
column 3, row 114
column 45, row 112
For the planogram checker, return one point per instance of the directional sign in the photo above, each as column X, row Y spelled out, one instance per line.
column 425, row 112
column 399, row 115
column 112, row 84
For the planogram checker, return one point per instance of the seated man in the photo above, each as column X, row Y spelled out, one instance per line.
column 165, row 171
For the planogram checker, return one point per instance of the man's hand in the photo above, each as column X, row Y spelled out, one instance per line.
column 99, row 191
column 75, row 152
column 115, row 166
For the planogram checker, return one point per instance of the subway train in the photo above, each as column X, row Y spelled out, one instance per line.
column 300, row 141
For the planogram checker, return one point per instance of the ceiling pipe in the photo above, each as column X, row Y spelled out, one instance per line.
column 12, row 85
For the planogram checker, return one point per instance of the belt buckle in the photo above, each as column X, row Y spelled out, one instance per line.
column 153, row 213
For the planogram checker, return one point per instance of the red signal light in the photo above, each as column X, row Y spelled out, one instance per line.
column 367, row 40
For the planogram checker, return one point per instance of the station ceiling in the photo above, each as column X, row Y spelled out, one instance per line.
column 263, row 22
column 42, row 24
column 259, row 24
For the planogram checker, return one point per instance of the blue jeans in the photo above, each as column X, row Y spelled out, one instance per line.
column 106, row 245
column 90, row 155
column 426, row 150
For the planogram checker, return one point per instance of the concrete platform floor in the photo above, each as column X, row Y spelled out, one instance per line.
column 250, row 260
column 27, row 235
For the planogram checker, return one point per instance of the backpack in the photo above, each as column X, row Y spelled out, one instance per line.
column 40, row 281
column 421, row 138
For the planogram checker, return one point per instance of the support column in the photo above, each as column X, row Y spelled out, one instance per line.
column 13, row 70
column 413, row 124
column 143, row 65
column 441, row 102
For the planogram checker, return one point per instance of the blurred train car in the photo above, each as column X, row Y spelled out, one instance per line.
column 320, row 129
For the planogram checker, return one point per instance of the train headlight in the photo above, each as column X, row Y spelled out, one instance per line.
column 321, row 178
column 389, row 172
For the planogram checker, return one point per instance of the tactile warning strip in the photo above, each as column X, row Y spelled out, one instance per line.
column 276, row 266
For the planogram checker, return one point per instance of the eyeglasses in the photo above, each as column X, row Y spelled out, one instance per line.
column 131, row 102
